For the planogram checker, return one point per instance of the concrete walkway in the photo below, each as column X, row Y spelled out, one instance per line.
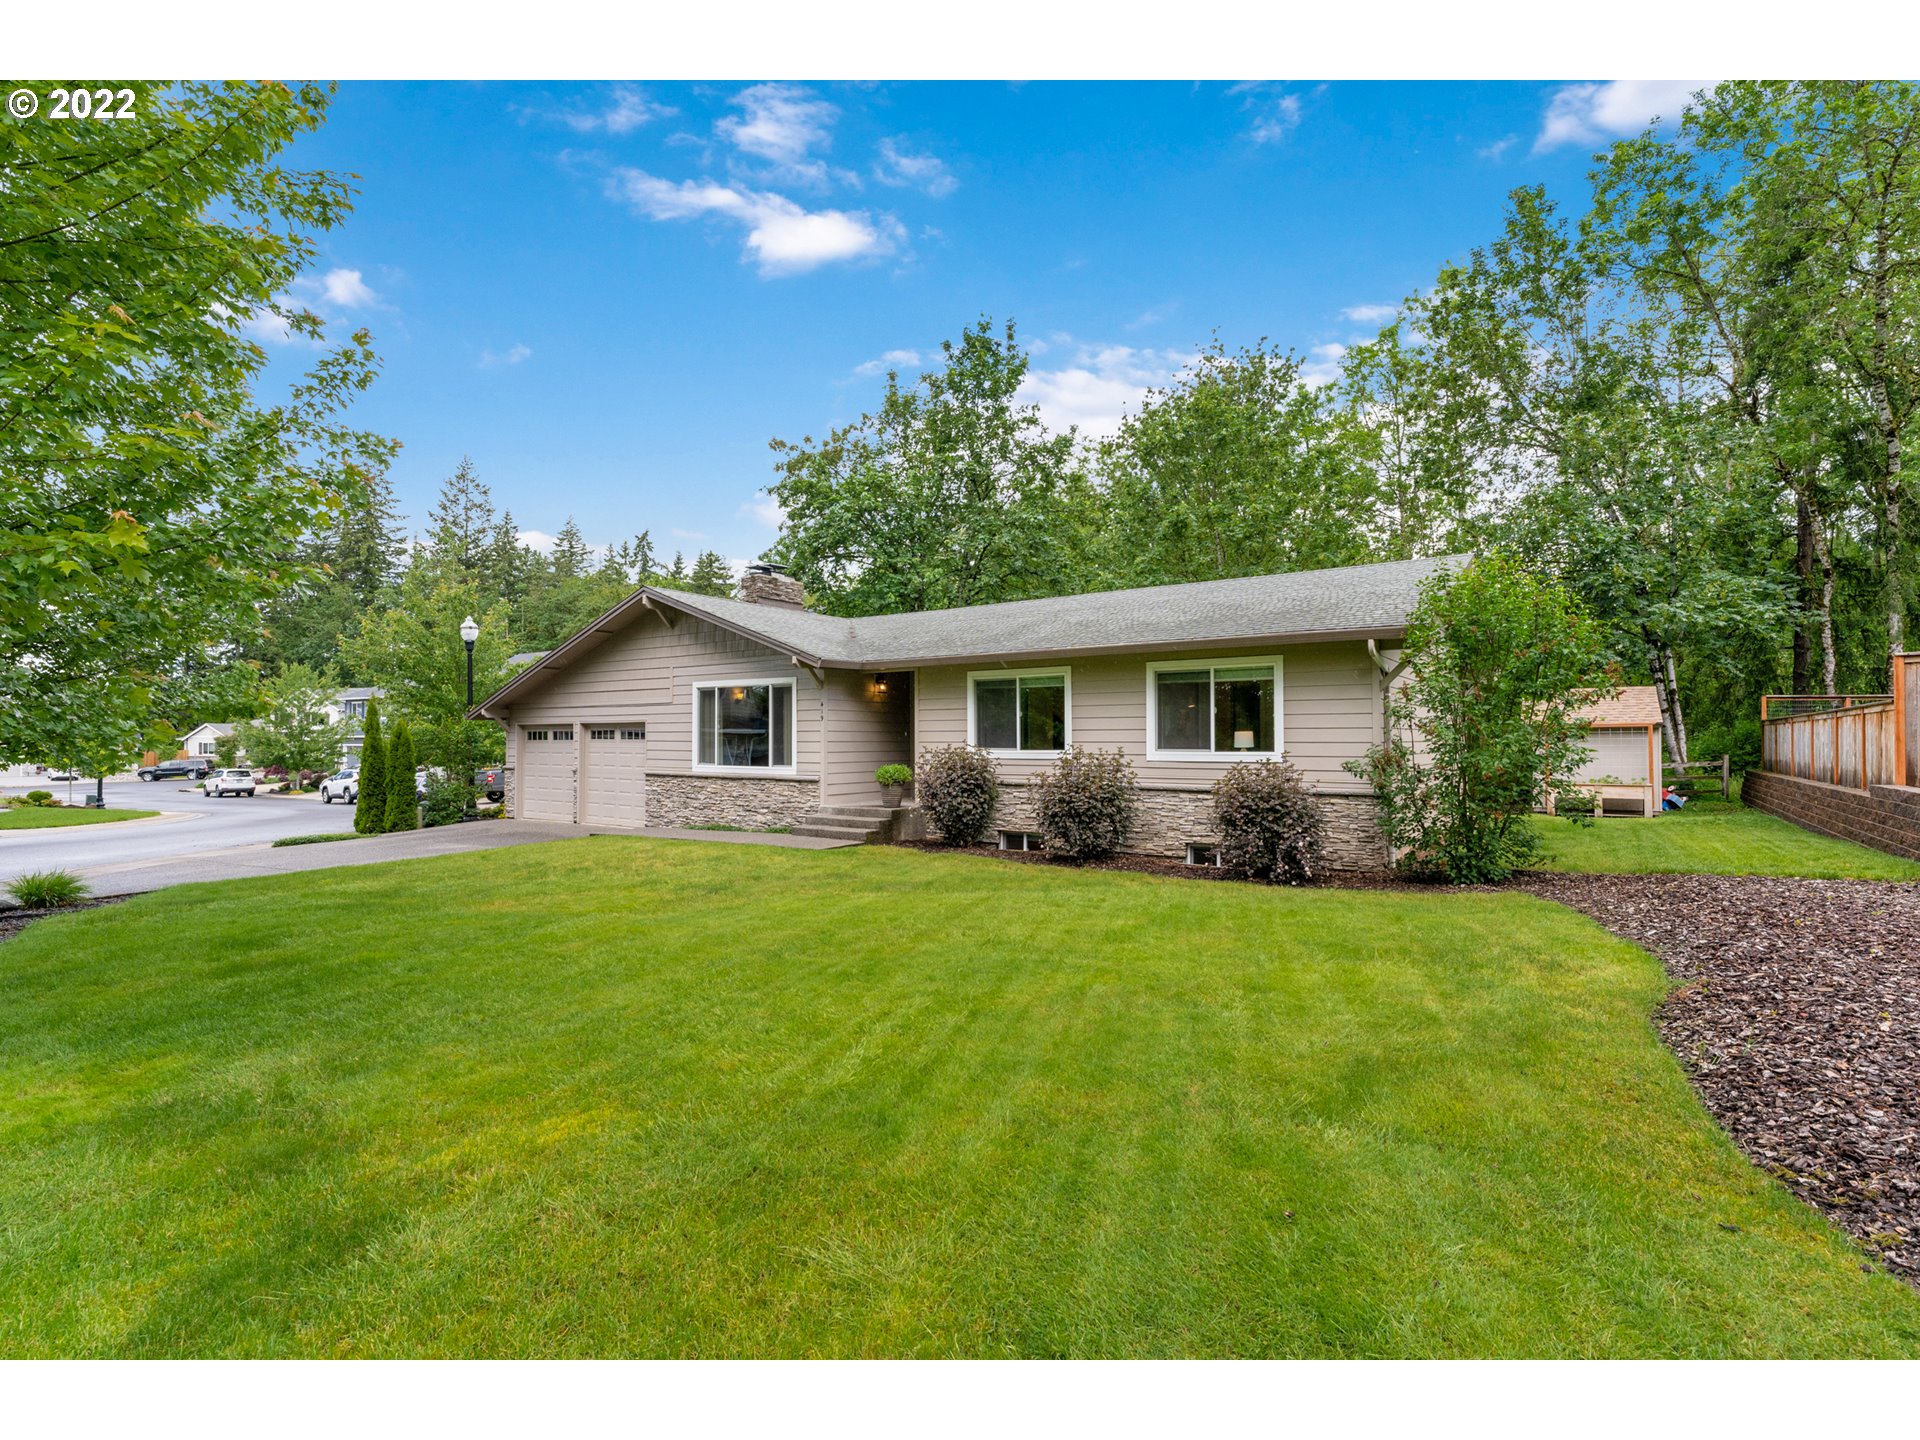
column 137, row 877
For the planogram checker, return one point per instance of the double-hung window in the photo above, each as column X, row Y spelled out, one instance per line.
column 1214, row 709
column 1021, row 712
column 743, row 725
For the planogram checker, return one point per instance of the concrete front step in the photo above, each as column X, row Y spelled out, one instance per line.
column 856, row 812
column 846, row 830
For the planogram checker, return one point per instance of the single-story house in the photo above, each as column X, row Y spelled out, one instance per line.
column 203, row 739
column 1625, row 768
column 681, row 709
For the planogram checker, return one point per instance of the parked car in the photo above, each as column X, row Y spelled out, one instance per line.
column 230, row 782
column 341, row 785
column 63, row 775
column 193, row 768
column 491, row 782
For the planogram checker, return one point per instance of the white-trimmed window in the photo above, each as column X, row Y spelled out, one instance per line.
column 1215, row 709
column 1020, row 712
column 744, row 725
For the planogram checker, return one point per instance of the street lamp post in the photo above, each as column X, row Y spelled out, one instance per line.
column 469, row 632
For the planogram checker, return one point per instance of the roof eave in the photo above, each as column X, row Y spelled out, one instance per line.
column 1131, row 647
column 590, row 636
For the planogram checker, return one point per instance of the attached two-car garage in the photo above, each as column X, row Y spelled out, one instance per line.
column 593, row 774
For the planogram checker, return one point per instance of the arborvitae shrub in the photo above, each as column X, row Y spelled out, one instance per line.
column 370, row 803
column 403, row 801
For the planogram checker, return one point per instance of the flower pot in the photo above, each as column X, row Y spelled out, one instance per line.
column 893, row 794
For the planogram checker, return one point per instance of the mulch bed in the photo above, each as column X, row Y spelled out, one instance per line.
column 1798, row 1017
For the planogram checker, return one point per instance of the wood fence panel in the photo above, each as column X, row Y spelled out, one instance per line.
column 1908, row 688
column 1855, row 745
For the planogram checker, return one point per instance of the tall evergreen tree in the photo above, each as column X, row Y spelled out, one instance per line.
column 711, row 575
column 572, row 556
column 462, row 525
column 370, row 804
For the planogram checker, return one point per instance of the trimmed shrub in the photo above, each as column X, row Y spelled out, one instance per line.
column 1269, row 823
column 370, row 804
column 403, row 800
column 447, row 800
column 49, row 889
column 958, row 787
column 1085, row 803
column 40, row 797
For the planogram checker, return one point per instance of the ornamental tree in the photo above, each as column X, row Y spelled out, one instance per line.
column 1500, row 662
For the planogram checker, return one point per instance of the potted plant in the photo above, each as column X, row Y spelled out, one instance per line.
column 894, row 780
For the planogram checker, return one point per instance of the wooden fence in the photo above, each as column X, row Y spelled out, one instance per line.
column 1854, row 741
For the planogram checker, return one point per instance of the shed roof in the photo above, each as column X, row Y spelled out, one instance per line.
column 1635, row 706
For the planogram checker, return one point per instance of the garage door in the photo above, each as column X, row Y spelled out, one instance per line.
column 614, row 788
column 543, row 778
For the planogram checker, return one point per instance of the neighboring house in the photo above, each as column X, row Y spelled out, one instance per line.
column 1624, row 735
column 202, row 740
column 350, row 706
column 676, row 709
column 526, row 658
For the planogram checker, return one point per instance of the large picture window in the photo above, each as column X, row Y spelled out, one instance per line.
column 1020, row 713
column 744, row 725
column 1218, row 709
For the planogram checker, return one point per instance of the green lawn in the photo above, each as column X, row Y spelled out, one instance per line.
column 46, row 817
column 1711, row 838
column 629, row 1097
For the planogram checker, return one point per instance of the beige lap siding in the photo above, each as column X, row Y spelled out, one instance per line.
column 647, row 674
column 866, row 728
column 1330, row 712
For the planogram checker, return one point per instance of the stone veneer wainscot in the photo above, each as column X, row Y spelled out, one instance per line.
column 753, row 802
column 1170, row 819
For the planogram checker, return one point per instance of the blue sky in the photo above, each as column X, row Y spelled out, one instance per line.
column 612, row 296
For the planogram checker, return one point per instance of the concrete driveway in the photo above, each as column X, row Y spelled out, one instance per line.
column 190, row 824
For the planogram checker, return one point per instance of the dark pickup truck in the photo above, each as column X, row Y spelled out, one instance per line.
column 192, row 768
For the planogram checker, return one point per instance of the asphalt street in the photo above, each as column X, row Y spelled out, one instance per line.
column 190, row 824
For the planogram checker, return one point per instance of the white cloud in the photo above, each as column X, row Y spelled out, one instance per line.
column 627, row 110
column 1497, row 148
column 782, row 237
column 767, row 510
column 1276, row 113
column 512, row 356
column 539, row 540
column 892, row 360
column 1588, row 113
column 782, row 124
column 1370, row 314
column 1322, row 366
column 1154, row 316
column 920, row 171
column 1099, row 386
column 346, row 288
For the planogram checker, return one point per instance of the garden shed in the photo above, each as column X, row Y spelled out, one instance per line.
column 1624, row 772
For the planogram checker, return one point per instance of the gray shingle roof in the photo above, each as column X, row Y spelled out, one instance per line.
column 1359, row 600
column 1356, row 600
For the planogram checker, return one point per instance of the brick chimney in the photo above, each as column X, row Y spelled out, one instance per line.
column 769, row 584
